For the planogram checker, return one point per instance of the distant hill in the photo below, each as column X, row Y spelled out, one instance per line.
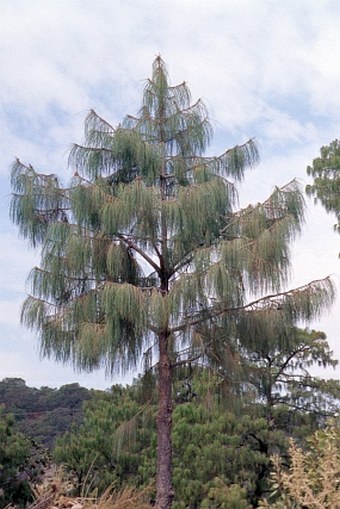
column 43, row 414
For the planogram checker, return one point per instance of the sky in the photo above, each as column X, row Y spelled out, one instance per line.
column 265, row 68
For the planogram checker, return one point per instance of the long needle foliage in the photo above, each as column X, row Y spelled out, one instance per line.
column 145, row 247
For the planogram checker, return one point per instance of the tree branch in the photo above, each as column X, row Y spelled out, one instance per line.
column 140, row 251
column 210, row 314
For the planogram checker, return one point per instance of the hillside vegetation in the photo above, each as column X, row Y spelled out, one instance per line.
column 225, row 437
column 43, row 414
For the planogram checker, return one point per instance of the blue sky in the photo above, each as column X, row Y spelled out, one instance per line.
column 265, row 69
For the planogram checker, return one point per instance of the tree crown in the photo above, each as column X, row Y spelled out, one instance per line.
column 146, row 240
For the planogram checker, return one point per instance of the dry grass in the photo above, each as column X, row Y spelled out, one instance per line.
column 54, row 494
column 128, row 498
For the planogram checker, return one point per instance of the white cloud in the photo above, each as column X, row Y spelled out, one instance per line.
column 265, row 69
column 280, row 128
column 237, row 55
column 15, row 259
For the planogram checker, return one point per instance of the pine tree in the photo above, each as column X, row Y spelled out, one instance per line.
column 144, row 252
column 108, row 448
column 325, row 171
column 279, row 370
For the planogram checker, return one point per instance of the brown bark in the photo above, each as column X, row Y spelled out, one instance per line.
column 164, row 486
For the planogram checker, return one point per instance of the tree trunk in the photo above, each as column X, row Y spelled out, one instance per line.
column 164, row 487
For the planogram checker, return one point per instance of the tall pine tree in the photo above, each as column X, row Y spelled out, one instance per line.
column 144, row 252
column 325, row 171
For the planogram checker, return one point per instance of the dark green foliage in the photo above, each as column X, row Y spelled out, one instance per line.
column 325, row 171
column 43, row 414
column 111, row 443
column 223, row 496
column 117, row 444
column 16, row 469
column 222, row 440
column 211, row 442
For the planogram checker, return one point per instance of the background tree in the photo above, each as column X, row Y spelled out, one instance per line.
column 325, row 171
column 277, row 364
column 42, row 414
column 279, row 369
column 143, row 252
column 220, row 440
column 16, row 469
column 112, row 443
column 117, row 444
